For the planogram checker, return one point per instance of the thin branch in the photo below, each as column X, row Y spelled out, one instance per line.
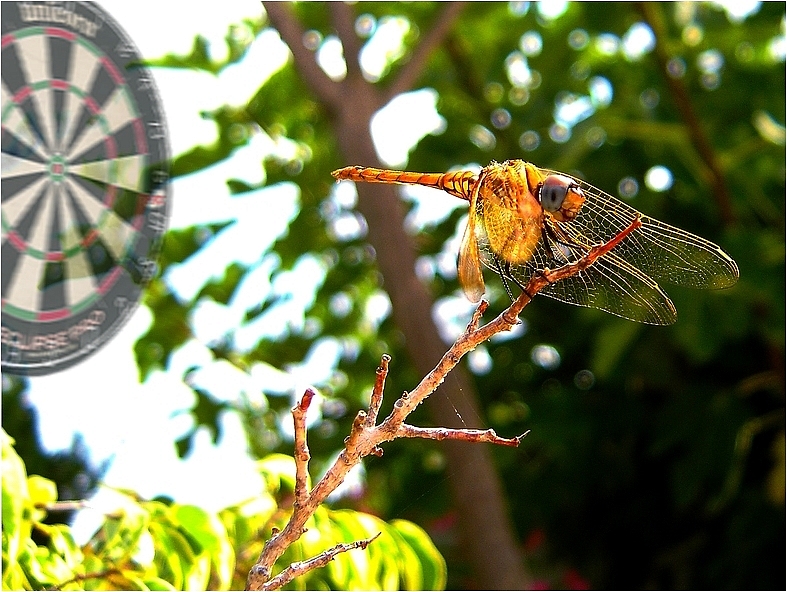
column 344, row 23
column 286, row 23
column 356, row 431
column 504, row 322
column 377, row 392
column 682, row 100
column 364, row 440
column 64, row 506
column 475, row 319
column 301, row 567
column 302, row 455
column 412, row 70
column 488, row 436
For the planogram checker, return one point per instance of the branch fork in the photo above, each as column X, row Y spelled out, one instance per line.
column 366, row 435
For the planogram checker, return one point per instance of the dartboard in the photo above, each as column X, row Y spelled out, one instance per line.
column 84, row 182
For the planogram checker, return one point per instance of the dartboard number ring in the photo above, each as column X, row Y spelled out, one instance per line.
column 85, row 176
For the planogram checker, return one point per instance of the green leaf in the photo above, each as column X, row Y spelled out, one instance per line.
column 118, row 538
column 433, row 566
column 31, row 564
column 197, row 574
column 173, row 554
column 612, row 342
column 42, row 491
column 207, row 414
column 92, row 565
column 158, row 584
column 210, row 533
column 53, row 567
column 15, row 497
column 245, row 521
column 278, row 470
column 62, row 543
column 182, row 243
column 14, row 577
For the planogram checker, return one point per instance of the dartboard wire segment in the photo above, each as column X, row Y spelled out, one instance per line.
column 84, row 182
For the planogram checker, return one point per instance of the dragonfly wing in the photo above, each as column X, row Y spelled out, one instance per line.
column 659, row 250
column 611, row 284
column 678, row 257
column 614, row 286
column 469, row 264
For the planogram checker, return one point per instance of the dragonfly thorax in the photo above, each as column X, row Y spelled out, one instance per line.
column 509, row 212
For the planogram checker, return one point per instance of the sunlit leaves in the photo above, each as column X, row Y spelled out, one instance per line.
column 238, row 39
column 150, row 545
column 15, row 528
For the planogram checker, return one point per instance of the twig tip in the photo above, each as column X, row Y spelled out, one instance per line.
column 306, row 400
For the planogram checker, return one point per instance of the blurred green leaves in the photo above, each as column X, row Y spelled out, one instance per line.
column 152, row 545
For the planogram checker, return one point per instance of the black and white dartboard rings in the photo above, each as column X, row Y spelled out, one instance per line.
column 84, row 182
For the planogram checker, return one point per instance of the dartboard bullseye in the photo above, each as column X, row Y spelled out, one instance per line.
column 84, row 182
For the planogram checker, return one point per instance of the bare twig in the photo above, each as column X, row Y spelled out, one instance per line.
column 489, row 436
column 302, row 455
column 475, row 320
column 301, row 567
column 349, row 116
column 504, row 322
column 64, row 506
column 366, row 439
column 377, row 392
column 356, row 431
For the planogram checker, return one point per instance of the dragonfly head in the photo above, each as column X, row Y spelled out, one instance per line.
column 561, row 196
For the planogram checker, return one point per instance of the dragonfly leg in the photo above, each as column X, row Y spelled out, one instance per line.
column 504, row 271
column 549, row 238
column 554, row 240
column 522, row 286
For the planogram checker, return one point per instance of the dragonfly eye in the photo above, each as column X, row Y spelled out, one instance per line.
column 553, row 192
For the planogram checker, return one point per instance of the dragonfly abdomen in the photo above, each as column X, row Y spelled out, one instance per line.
column 459, row 184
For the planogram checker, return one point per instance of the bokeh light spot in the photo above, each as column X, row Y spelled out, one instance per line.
column 659, row 178
column 628, row 187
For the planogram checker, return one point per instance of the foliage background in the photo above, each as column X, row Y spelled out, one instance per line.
column 656, row 455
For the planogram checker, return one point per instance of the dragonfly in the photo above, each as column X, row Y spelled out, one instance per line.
column 524, row 220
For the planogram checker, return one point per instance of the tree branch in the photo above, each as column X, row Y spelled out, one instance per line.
column 377, row 392
column 286, row 23
column 489, row 436
column 64, row 506
column 344, row 23
column 365, row 439
column 410, row 72
column 472, row 337
column 682, row 100
column 301, row 567
column 302, row 455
